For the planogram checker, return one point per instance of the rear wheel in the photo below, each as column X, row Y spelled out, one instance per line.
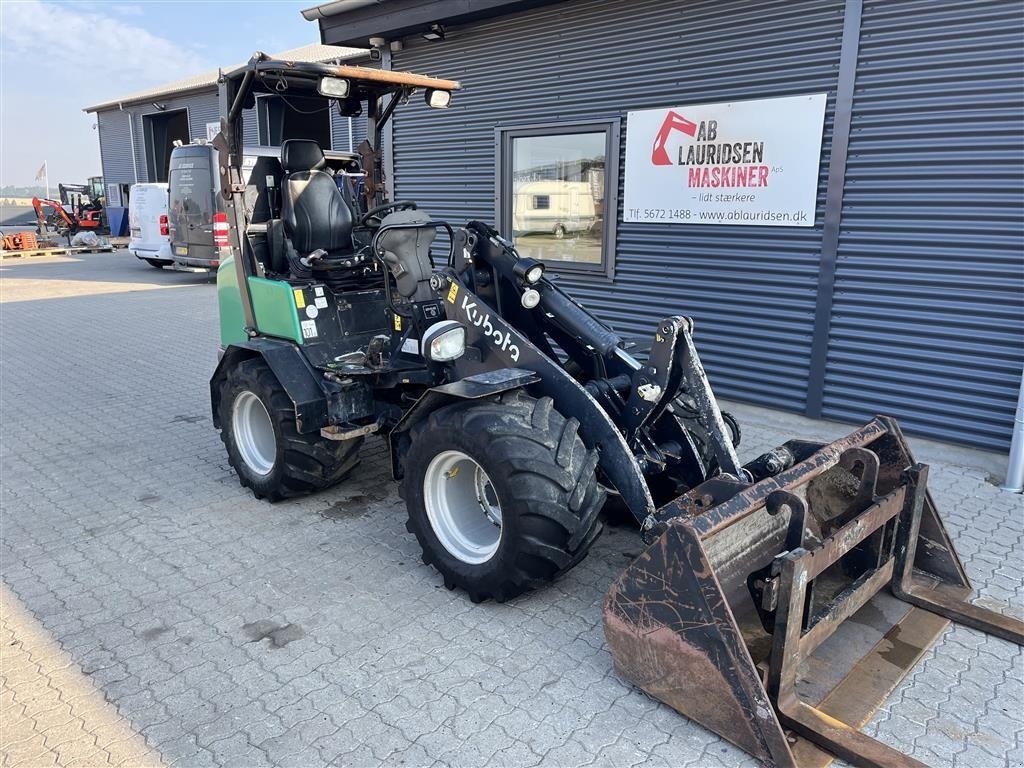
column 264, row 448
column 559, row 231
column 502, row 495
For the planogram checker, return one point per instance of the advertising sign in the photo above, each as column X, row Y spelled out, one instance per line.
column 741, row 162
column 212, row 129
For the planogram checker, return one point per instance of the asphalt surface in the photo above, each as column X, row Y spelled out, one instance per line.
column 219, row 630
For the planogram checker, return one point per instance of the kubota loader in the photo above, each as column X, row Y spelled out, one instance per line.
column 778, row 601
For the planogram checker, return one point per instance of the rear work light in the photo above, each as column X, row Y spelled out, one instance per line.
column 164, row 227
column 220, row 230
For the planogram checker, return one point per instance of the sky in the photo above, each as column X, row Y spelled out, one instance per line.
column 58, row 56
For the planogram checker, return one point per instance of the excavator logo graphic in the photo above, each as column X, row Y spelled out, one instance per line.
column 673, row 122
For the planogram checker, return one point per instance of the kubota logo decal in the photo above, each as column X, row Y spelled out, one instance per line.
column 482, row 320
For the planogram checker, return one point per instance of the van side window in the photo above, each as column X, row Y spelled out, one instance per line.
column 541, row 202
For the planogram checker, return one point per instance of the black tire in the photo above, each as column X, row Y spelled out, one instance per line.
column 543, row 476
column 156, row 263
column 303, row 463
column 559, row 232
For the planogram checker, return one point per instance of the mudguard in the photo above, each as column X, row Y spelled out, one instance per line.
column 473, row 387
column 293, row 371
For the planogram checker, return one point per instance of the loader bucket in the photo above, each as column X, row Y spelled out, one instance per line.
column 780, row 614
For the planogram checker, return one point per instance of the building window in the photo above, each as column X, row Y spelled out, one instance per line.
column 557, row 193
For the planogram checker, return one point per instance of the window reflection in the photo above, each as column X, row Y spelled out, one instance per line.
column 558, row 196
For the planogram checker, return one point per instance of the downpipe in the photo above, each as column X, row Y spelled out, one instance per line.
column 1015, row 468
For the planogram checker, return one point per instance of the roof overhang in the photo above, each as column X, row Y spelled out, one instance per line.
column 354, row 22
column 207, row 81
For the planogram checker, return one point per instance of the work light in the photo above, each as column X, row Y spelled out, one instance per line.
column 438, row 99
column 334, row 87
column 530, row 271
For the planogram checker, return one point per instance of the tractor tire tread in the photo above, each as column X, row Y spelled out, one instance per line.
column 310, row 462
column 549, row 482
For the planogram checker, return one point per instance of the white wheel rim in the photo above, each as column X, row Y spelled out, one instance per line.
column 462, row 507
column 254, row 433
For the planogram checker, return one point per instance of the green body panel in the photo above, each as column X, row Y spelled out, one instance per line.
column 272, row 303
column 274, row 307
column 229, row 300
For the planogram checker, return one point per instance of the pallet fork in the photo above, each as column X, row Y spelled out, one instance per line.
column 805, row 630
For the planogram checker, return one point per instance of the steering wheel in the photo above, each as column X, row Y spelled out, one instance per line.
column 373, row 217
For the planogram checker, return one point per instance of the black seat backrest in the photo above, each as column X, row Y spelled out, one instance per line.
column 314, row 212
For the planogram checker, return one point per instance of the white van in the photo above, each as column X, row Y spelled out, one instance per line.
column 148, row 228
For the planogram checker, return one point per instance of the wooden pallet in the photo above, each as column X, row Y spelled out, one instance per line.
column 65, row 251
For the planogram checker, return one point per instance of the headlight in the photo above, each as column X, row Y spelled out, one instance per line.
column 334, row 87
column 530, row 298
column 444, row 341
column 535, row 273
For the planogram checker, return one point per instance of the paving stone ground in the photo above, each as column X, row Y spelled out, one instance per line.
column 222, row 631
column 52, row 713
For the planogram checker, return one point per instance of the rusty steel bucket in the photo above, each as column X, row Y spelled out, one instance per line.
column 780, row 614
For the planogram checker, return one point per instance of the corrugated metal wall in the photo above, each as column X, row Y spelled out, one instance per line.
column 115, row 138
column 928, row 313
column 340, row 131
column 115, row 143
column 751, row 290
column 203, row 108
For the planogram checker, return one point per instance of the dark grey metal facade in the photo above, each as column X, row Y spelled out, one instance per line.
column 115, row 140
column 751, row 290
column 928, row 311
column 905, row 298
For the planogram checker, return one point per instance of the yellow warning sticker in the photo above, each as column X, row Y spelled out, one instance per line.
column 300, row 300
column 453, row 292
column 398, row 322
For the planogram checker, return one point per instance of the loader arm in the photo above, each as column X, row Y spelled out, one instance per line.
column 497, row 345
column 660, row 414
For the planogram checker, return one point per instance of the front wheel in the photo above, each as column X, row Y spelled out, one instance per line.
column 264, row 448
column 502, row 495
column 559, row 232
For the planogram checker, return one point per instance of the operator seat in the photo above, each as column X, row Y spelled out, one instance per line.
column 315, row 215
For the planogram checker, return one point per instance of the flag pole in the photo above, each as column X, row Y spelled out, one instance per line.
column 46, row 175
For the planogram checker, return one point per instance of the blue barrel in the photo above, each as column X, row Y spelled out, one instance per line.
column 118, row 218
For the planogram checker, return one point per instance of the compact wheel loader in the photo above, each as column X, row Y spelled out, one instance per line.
column 778, row 601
